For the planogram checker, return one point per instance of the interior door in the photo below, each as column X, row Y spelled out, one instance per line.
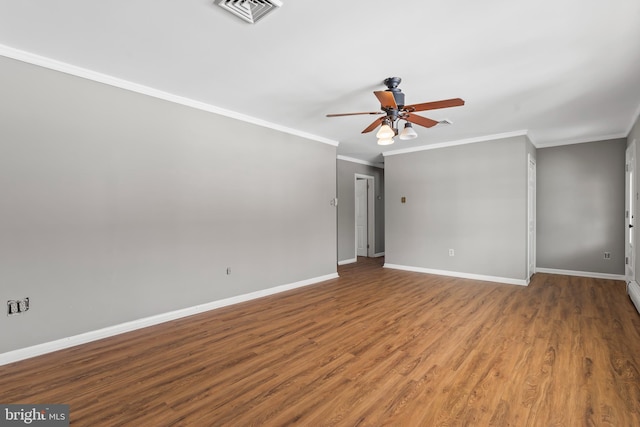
column 361, row 217
column 630, row 211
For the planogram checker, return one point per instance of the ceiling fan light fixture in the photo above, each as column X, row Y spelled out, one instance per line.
column 385, row 131
column 408, row 132
column 392, row 104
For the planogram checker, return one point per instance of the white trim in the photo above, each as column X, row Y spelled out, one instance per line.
column 39, row 349
column 458, row 142
column 633, row 290
column 581, row 273
column 378, row 255
column 630, row 181
column 531, row 215
column 362, row 162
column 73, row 70
column 371, row 213
column 482, row 277
column 582, row 140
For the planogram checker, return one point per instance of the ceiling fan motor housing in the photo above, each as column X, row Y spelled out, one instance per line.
column 392, row 85
column 399, row 97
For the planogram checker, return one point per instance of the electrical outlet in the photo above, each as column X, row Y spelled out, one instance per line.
column 228, row 271
column 452, row 252
column 17, row 306
column 607, row 255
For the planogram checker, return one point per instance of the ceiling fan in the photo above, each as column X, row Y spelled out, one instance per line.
column 394, row 110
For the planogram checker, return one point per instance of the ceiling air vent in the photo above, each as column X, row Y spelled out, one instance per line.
column 249, row 10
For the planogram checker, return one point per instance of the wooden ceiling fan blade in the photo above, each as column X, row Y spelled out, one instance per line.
column 445, row 103
column 419, row 120
column 374, row 125
column 386, row 98
column 354, row 114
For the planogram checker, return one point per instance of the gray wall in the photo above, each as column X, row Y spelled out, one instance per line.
column 470, row 198
column 346, row 207
column 117, row 206
column 580, row 209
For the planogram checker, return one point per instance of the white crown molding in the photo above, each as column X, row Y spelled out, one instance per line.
column 40, row 349
column 362, row 162
column 582, row 274
column 481, row 277
column 457, row 142
column 575, row 141
column 84, row 73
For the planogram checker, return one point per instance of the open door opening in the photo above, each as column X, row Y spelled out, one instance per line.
column 630, row 212
column 364, row 215
column 531, row 218
column 631, row 200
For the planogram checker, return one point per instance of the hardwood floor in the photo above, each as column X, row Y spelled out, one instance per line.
column 374, row 347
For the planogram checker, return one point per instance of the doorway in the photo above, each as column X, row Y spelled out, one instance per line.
column 630, row 212
column 531, row 218
column 364, row 215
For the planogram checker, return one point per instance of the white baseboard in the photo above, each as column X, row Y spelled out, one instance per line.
column 582, row 273
column 379, row 254
column 633, row 289
column 49, row 347
column 507, row 280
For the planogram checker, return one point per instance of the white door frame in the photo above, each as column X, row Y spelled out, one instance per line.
column 371, row 219
column 630, row 201
column 531, row 216
column 362, row 217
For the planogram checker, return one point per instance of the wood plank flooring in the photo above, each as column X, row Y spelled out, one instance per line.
column 374, row 347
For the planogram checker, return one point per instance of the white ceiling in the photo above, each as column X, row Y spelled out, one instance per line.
column 562, row 70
